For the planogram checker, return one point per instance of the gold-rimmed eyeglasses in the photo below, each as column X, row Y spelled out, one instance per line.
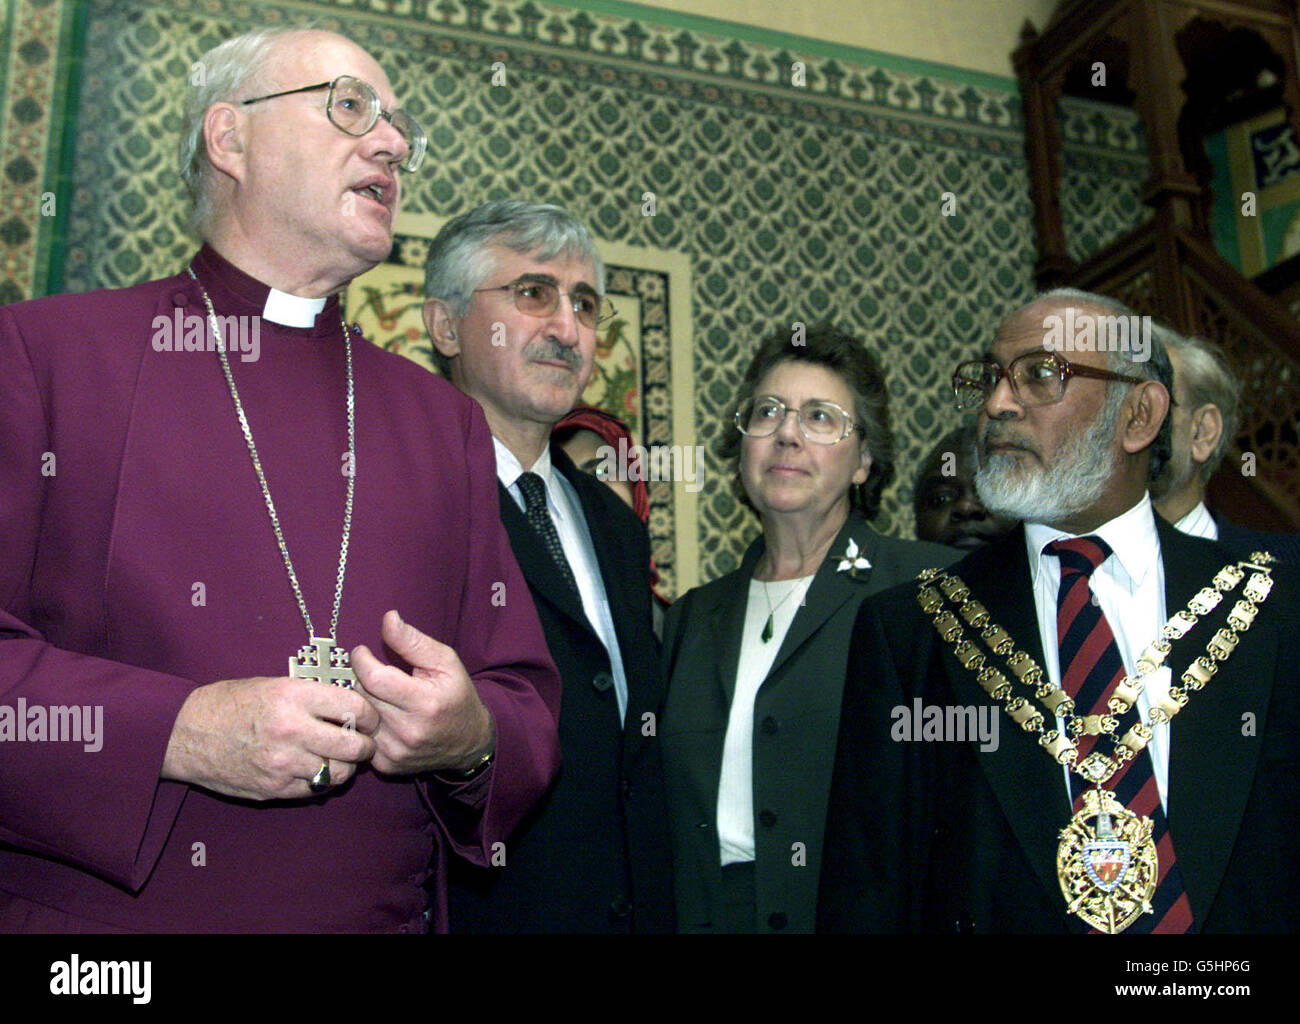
column 1036, row 378
column 353, row 107
column 541, row 298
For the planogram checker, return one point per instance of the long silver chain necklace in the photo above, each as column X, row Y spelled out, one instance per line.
column 322, row 659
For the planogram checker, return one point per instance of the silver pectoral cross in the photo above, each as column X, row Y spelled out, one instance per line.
column 325, row 661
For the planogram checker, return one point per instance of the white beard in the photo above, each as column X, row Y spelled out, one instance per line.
column 1074, row 481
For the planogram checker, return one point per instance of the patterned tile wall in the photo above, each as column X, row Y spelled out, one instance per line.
column 793, row 203
column 1097, row 209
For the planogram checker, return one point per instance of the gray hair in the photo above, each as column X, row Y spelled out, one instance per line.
column 1208, row 380
column 234, row 69
column 1155, row 367
column 459, row 261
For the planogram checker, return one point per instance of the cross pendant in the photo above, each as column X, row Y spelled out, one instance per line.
column 324, row 661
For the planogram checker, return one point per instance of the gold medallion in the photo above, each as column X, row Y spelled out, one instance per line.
column 1107, row 870
column 1106, row 863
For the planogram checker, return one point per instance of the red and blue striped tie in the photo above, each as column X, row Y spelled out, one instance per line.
column 1091, row 668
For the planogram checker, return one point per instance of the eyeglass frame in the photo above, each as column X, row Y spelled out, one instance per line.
column 850, row 424
column 412, row 157
column 1066, row 370
column 605, row 313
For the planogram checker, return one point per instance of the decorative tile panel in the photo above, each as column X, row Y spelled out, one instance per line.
column 793, row 202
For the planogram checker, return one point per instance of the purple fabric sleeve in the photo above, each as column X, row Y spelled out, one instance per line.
column 501, row 644
column 102, row 809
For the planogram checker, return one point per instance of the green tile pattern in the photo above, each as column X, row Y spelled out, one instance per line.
column 792, row 203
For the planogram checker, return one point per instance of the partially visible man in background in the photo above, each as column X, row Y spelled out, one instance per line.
column 945, row 504
column 1205, row 419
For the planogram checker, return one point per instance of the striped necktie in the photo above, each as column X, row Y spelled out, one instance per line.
column 1091, row 668
column 533, row 489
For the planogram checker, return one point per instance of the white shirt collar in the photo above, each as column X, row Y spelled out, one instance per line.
column 1199, row 523
column 291, row 310
column 509, row 469
column 1131, row 535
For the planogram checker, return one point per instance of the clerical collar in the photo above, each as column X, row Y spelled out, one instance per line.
column 235, row 293
column 291, row 310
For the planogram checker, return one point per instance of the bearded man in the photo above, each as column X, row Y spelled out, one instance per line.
column 1150, row 785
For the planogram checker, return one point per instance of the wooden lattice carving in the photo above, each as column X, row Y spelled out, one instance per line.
column 1270, row 394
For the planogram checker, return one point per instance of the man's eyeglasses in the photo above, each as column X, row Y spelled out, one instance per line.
column 1037, row 378
column 820, row 422
column 542, row 299
column 353, row 107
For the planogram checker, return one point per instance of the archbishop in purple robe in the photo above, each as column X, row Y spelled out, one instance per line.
column 139, row 567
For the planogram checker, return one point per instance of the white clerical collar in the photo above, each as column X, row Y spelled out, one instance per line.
column 291, row 310
column 1131, row 535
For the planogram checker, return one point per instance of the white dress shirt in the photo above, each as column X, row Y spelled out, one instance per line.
column 566, row 512
column 736, row 781
column 1130, row 588
column 1199, row 523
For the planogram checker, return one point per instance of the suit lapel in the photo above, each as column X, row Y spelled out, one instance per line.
column 535, row 562
column 617, row 573
column 728, row 621
column 1028, row 784
column 829, row 589
column 1209, row 765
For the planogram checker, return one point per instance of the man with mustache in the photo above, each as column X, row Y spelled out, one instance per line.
column 514, row 296
column 1150, row 786
column 194, row 541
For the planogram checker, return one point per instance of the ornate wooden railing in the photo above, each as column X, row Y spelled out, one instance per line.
column 1259, row 481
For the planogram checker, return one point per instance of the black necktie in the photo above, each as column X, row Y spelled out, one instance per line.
column 534, row 492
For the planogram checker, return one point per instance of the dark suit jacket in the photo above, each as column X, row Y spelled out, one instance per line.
column 1285, row 547
column 796, row 718
column 593, row 856
column 973, row 846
